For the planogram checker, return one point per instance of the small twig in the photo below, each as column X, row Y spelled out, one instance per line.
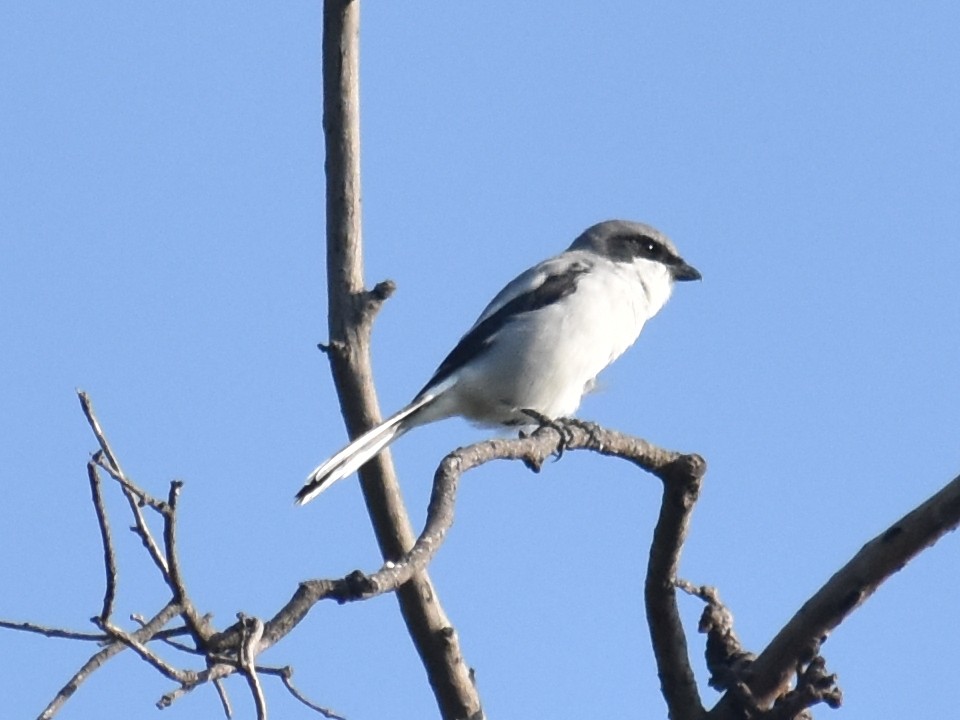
column 286, row 675
column 727, row 661
column 135, row 496
column 814, row 686
column 211, row 675
column 109, row 557
column 166, row 635
column 224, row 697
column 380, row 293
column 52, row 632
column 197, row 624
column 130, row 488
column 161, row 665
column 107, row 460
column 87, row 406
column 97, row 661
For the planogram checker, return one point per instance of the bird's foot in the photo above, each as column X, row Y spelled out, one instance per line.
column 560, row 426
column 590, row 428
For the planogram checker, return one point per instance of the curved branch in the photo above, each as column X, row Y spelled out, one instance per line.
column 681, row 488
column 681, row 476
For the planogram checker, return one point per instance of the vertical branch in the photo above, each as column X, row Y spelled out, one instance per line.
column 109, row 557
column 351, row 311
column 681, row 487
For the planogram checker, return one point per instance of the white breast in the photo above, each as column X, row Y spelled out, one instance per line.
column 546, row 360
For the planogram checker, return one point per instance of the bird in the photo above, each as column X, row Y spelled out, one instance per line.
column 539, row 345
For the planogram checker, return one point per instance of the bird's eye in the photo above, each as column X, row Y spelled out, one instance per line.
column 650, row 248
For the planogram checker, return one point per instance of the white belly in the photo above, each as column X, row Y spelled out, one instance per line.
column 546, row 360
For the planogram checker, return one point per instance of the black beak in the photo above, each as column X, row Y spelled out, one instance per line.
column 682, row 271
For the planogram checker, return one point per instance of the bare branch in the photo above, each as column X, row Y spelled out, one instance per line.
column 213, row 674
column 681, row 488
column 135, row 496
column 87, row 408
column 51, row 632
column 351, row 311
column 130, row 488
column 286, row 675
column 109, row 557
column 727, row 661
column 97, row 661
column 224, row 698
column 161, row 665
column 814, row 686
column 532, row 450
column 251, row 634
column 198, row 626
column 850, row 586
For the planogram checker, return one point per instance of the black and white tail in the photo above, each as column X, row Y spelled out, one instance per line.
column 357, row 453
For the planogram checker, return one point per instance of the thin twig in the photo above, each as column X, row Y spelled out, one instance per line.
column 52, row 632
column 174, row 577
column 109, row 557
column 97, row 661
column 108, row 461
column 87, row 407
column 130, row 488
column 287, row 677
column 210, row 675
column 727, row 660
column 224, row 697
column 161, row 665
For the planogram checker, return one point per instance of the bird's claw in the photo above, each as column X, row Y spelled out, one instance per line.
column 560, row 426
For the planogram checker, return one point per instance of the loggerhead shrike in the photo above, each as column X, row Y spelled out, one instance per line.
column 538, row 346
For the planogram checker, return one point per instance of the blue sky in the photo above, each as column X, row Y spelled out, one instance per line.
column 161, row 221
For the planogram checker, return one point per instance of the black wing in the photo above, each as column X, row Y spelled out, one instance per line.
column 478, row 339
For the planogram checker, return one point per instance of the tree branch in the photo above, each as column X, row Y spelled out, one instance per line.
column 109, row 557
column 681, row 488
column 351, row 311
column 134, row 495
column 850, row 586
column 148, row 630
column 798, row 643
